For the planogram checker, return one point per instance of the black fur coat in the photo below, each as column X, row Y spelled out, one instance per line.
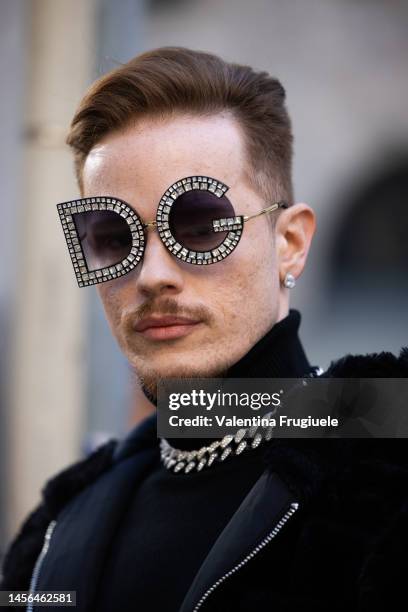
column 344, row 547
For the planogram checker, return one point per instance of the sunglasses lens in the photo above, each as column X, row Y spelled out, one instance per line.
column 105, row 237
column 191, row 219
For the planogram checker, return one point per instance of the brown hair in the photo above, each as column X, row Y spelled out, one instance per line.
column 176, row 79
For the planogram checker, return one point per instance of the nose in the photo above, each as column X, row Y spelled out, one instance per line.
column 159, row 272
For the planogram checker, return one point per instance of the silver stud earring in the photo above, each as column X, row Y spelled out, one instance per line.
column 289, row 281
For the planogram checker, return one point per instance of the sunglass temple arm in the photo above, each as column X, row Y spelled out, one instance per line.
column 270, row 208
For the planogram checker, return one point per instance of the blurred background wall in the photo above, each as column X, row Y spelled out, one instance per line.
column 65, row 387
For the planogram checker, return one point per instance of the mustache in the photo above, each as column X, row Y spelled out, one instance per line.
column 165, row 306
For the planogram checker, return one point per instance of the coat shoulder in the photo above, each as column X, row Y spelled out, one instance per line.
column 371, row 365
column 23, row 551
column 346, row 466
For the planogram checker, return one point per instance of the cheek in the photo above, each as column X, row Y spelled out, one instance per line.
column 244, row 286
column 113, row 298
column 256, row 260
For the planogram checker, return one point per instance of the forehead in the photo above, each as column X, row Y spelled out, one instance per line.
column 151, row 154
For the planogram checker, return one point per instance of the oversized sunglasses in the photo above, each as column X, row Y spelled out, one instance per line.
column 195, row 220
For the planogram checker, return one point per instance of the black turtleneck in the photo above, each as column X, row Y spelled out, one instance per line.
column 174, row 519
column 279, row 354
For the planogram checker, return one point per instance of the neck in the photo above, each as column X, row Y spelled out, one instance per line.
column 278, row 354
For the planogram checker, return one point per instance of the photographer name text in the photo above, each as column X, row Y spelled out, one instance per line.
column 253, row 421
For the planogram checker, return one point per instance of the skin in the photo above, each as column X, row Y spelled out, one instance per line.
column 236, row 300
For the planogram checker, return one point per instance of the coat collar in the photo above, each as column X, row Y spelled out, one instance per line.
column 249, row 528
column 85, row 529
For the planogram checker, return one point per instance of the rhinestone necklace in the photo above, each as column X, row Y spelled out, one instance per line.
column 184, row 461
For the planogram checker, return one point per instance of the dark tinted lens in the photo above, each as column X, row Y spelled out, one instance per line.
column 191, row 218
column 105, row 237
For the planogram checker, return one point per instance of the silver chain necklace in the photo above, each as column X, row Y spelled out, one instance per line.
column 184, row 461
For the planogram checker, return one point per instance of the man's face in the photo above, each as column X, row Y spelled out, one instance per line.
column 227, row 306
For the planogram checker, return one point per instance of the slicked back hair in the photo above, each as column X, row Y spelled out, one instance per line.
column 171, row 80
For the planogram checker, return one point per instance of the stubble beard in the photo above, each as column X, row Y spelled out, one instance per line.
column 150, row 381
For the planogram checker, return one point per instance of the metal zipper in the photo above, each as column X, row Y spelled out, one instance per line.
column 293, row 507
column 39, row 562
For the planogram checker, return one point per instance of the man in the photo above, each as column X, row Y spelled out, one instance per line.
column 163, row 146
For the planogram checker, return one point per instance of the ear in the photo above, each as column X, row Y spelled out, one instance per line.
column 294, row 231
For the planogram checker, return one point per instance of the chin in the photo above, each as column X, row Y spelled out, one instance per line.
column 178, row 368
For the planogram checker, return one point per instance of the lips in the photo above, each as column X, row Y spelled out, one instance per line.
column 163, row 322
